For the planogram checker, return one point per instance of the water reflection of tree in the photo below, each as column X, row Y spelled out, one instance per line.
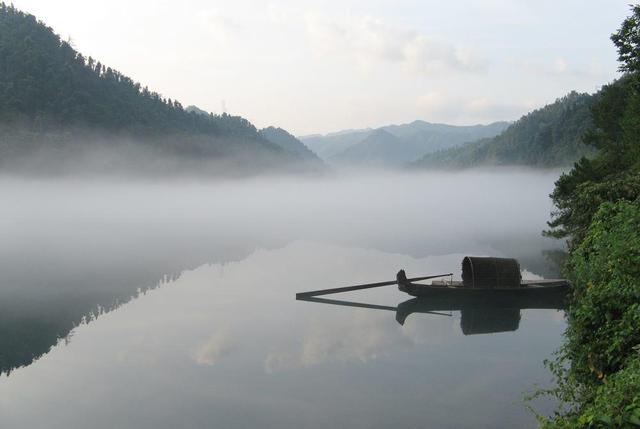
column 31, row 326
column 36, row 317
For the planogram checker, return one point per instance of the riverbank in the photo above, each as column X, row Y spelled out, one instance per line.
column 598, row 211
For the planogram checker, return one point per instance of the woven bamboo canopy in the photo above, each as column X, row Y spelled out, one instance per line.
column 490, row 273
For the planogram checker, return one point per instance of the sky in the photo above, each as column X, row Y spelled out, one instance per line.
column 323, row 66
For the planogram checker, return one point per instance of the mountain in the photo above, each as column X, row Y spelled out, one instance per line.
column 291, row 144
column 547, row 137
column 379, row 148
column 332, row 144
column 394, row 145
column 63, row 113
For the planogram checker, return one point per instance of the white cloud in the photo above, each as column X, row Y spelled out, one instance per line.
column 215, row 347
column 368, row 336
column 370, row 40
column 483, row 107
column 561, row 67
column 438, row 106
column 218, row 26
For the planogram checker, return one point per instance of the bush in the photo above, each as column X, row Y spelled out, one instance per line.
column 598, row 367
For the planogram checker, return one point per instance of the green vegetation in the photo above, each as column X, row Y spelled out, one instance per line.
column 291, row 144
column 598, row 367
column 547, row 137
column 55, row 104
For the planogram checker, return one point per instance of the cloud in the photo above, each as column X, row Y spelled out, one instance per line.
column 561, row 67
column 366, row 337
column 214, row 348
column 217, row 25
column 371, row 40
column 436, row 106
column 482, row 107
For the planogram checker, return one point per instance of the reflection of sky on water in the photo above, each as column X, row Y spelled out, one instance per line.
column 226, row 345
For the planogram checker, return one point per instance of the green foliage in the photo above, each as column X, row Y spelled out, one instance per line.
column 547, row 137
column 578, row 201
column 627, row 40
column 598, row 202
column 612, row 174
column 614, row 404
column 598, row 365
column 604, row 270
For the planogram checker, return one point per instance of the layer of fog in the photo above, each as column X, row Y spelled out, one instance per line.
column 59, row 226
column 88, row 153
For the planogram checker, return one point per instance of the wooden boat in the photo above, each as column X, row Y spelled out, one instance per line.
column 487, row 280
column 489, row 297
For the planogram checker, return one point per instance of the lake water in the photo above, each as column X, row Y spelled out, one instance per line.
column 171, row 304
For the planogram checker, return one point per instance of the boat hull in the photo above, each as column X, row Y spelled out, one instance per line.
column 527, row 294
column 486, row 301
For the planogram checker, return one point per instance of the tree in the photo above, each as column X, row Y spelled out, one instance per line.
column 613, row 174
column 627, row 40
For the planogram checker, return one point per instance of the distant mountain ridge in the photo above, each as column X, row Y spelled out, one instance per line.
column 547, row 137
column 379, row 148
column 332, row 144
column 394, row 145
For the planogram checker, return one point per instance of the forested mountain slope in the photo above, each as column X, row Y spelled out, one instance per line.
column 291, row 144
column 55, row 105
column 547, row 137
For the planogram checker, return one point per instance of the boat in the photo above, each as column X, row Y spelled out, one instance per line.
column 489, row 297
column 487, row 280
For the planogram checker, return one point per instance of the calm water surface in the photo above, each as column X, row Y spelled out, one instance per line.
column 170, row 305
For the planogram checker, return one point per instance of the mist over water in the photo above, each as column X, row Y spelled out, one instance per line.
column 223, row 329
column 416, row 214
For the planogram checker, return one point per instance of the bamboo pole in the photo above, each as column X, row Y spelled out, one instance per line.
column 363, row 286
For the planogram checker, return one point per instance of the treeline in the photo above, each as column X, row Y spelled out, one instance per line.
column 598, row 210
column 547, row 137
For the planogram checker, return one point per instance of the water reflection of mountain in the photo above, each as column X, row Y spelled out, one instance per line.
column 41, row 305
column 31, row 325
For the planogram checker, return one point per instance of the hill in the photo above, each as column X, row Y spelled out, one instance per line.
column 379, row 148
column 394, row 145
column 332, row 144
column 60, row 111
column 291, row 144
column 547, row 137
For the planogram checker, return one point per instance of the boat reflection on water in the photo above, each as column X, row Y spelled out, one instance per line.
column 476, row 316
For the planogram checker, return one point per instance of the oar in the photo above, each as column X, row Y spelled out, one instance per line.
column 364, row 286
